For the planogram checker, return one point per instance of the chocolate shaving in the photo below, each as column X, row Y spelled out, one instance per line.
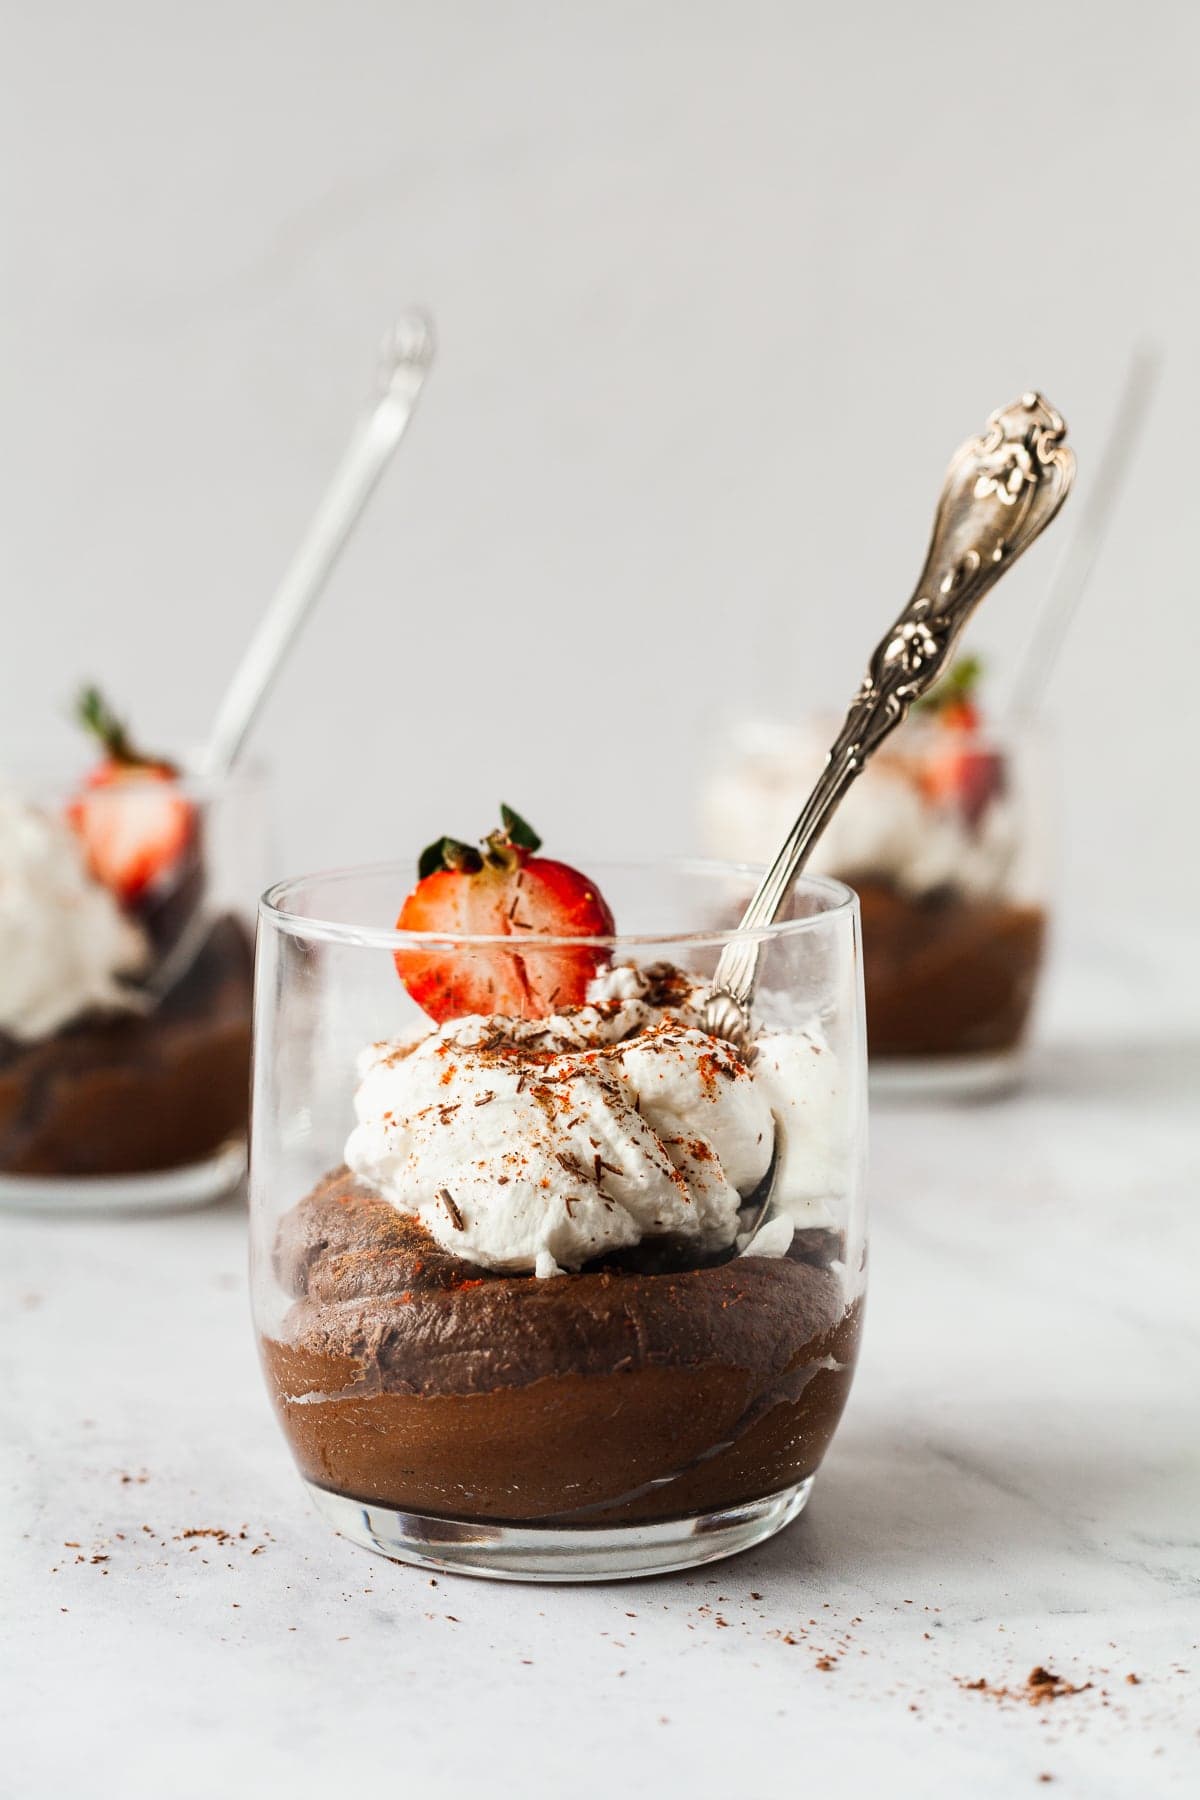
column 456, row 1218
column 484, row 1099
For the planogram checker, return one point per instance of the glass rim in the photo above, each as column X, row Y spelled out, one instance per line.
column 46, row 780
column 842, row 903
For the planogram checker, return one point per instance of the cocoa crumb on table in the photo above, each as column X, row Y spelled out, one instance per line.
column 1041, row 1685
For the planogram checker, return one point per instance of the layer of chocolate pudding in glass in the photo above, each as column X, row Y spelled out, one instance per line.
column 629, row 1392
column 945, row 974
column 126, row 1093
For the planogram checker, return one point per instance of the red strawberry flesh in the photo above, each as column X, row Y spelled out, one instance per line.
column 956, row 771
column 134, row 826
column 132, row 820
column 963, row 777
column 512, row 893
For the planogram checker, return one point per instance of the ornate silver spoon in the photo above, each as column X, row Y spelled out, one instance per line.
column 1000, row 492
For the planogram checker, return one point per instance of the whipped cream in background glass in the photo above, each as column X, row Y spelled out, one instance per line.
column 542, row 1144
column 64, row 942
column 885, row 827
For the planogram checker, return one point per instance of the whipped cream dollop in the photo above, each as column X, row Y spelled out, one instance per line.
column 541, row 1144
column 885, row 827
column 64, row 941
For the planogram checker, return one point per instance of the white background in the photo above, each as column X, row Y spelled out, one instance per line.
column 719, row 288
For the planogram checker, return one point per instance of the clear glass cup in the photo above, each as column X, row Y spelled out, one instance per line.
column 944, row 839
column 125, row 1020
column 634, row 1406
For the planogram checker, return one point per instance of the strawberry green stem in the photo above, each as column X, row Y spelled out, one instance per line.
column 503, row 849
column 958, row 683
column 97, row 717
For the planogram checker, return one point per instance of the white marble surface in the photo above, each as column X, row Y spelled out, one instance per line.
column 1017, row 1482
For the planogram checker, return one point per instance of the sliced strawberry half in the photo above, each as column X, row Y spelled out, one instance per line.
column 503, row 889
column 962, row 777
column 955, row 771
column 131, row 818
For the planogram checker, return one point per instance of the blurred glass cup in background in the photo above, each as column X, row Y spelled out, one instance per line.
column 944, row 839
column 126, row 978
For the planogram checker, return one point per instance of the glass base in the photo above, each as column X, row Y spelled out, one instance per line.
column 162, row 1190
column 946, row 1077
column 559, row 1553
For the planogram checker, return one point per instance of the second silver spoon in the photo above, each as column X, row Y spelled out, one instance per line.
column 404, row 362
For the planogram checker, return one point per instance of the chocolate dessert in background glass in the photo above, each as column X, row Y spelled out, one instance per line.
column 521, row 1309
column 944, row 840
column 126, row 976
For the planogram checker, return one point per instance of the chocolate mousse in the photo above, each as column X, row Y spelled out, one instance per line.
column 412, row 1378
column 122, row 1092
column 585, row 1262
column 947, row 974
